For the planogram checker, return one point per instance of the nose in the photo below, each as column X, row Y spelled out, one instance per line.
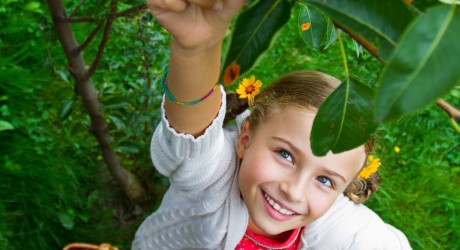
column 294, row 190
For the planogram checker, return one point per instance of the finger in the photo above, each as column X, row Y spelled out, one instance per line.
column 157, row 6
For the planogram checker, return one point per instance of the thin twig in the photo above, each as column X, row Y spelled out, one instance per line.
column 74, row 11
column 104, row 40
column 91, row 36
column 451, row 111
column 128, row 11
column 368, row 46
column 80, row 19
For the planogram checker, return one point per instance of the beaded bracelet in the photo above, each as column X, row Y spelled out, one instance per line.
column 171, row 97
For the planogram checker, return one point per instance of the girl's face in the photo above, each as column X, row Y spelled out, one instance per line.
column 282, row 183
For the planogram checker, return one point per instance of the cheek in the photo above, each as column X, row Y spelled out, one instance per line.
column 256, row 168
column 320, row 203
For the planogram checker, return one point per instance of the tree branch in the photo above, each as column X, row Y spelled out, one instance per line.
column 451, row 111
column 103, row 43
column 99, row 126
column 128, row 11
column 91, row 36
column 74, row 11
column 368, row 46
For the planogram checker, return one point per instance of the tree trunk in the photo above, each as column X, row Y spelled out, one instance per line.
column 99, row 127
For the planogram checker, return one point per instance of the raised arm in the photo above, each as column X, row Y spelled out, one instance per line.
column 197, row 27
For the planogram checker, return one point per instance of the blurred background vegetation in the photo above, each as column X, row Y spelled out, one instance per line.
column 55, row 189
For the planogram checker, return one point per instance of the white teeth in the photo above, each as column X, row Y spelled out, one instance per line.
column 277, row 206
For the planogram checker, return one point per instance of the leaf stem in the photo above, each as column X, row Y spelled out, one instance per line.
column 455, row 124
column 342, row 50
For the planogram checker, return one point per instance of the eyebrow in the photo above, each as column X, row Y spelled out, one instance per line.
column 298, row 151
column 330, row 172
column 292, row 146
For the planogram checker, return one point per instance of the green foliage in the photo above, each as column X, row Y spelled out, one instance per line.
column 254, row 30
column 55, row 187
column 316, row 29
column 350, row 121
column 428, row 53
column 419, row 192
column 376, row 21
column 419, row 55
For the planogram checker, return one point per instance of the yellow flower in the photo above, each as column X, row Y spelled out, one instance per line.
column 370, row 169
column 397, row 149
column 249, row 88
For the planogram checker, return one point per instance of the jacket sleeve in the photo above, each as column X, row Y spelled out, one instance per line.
column 192, row 163
column 347, row 225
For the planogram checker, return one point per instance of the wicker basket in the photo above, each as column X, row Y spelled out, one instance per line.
column 85, row 246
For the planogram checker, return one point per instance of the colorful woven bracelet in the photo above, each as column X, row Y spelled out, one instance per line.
column 171, row 97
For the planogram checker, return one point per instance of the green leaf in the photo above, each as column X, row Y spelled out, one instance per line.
column 254, row 31
column 4, row 125
column 128, row 147
column 66, row 220
column 379, row 22
column 344, row 121
column 313, row 26
column 66, row 109
column 425, row 65
column 118, row 122
column 331, row 36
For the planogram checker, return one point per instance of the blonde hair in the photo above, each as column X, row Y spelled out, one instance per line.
column 306, row 90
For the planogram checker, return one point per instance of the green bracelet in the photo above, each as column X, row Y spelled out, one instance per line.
column 171, row 97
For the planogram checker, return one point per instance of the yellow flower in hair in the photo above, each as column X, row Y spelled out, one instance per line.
column 249, row 88
column 370, row 168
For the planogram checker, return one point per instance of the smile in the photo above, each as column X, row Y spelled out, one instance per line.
column 277, row 206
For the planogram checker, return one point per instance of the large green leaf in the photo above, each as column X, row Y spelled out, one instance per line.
column 344, row 121
column 253, row 34
column 313, row 26
column 425, row 65
column 379, row 22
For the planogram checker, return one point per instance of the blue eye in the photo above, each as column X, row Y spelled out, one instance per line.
column 285, row 154
column 324, row 180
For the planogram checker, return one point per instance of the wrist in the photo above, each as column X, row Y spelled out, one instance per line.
column 195, row 50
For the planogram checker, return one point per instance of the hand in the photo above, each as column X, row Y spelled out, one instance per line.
column 195, row 24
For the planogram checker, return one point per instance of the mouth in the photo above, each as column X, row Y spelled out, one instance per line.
column 277, row 210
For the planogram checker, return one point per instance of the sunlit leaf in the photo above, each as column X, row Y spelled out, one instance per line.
column 67, row 220
column 379, row 22
column 425, row 65
column 119, row 123
column 312, row 25
column 331, row 36
column 4, row 125
column 344, row 121
column 66, row 109
column 128, row 147
column 254, row 31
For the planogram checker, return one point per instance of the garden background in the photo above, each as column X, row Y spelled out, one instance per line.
column 55, row 187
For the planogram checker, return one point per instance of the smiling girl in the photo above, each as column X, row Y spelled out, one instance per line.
column 256, row 185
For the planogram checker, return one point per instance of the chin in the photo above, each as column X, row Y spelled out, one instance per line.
column 268, row 229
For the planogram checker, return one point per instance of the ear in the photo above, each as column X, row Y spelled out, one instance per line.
column 243, row 140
